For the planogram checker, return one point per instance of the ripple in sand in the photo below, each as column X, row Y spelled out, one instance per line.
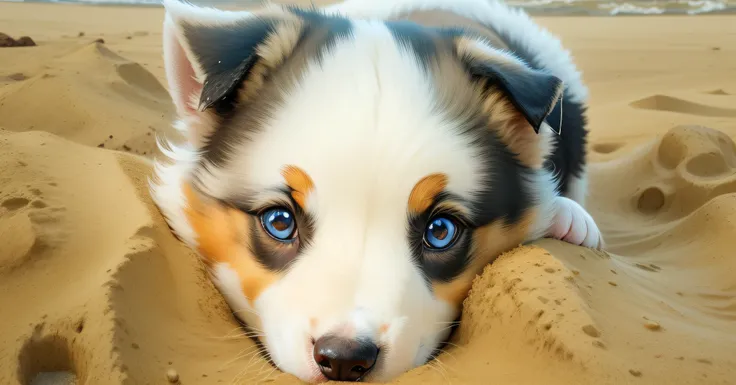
column 607, row 148
column 671, row 104
column 718, row 92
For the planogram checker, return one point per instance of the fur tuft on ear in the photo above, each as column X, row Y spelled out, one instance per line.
column 534, row 93
column 516, row 98
column 210, row 54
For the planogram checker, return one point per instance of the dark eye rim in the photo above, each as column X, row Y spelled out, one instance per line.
column 459, row 227
column 261, row 218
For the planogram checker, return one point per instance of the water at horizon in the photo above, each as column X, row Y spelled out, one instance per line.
column 535, row 7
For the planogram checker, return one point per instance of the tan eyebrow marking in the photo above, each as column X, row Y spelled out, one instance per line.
column 299, row 182
column 424, row 192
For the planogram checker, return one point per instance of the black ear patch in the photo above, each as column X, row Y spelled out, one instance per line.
column 226, row 54
column 534, row 93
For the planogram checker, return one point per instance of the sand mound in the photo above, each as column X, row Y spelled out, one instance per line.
column 661, row 309
column 77, row 87
column 78, row 281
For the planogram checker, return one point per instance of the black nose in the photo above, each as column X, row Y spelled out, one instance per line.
column 344, row 359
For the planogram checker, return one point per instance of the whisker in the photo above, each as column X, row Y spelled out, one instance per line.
column 227, row 335
column 244, row 371
column 259, row 374
column 252, row 311
column 441, row 371
column 454, row 345
column 447, row 322
column 242, row 354
column 445, row 328
column 449, row 353
column 262, row 350
column 240, row 336
column 260, row 370
column 250, row 334
column 444, row 367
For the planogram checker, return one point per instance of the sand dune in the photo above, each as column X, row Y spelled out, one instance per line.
column 82, row 83
column 100, row 292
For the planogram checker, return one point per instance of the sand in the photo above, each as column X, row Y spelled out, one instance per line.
column 96, row 290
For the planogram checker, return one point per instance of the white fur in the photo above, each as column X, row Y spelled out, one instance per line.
column 577, row 188
column 364, row 147
column 572, row 224
column 359, row 202
column 166, row 190
column 228, row 283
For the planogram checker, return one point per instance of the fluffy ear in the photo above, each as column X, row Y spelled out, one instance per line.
column 210, row 55
column 534, row 93
column 515, row 97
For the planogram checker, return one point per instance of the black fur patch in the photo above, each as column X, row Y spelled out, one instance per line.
column 503, row 197
column 335, row 27
column 415, row 38
column 532, row 92
column 240, row 120
column 439, row 265
column 569, row 156
column 275, row 255
column 226, row 55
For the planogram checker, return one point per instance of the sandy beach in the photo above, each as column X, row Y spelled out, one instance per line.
column 96, row 290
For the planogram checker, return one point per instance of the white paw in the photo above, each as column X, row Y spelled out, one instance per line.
column 572, row 224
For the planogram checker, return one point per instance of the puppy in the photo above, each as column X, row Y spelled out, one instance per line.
column 349, row 170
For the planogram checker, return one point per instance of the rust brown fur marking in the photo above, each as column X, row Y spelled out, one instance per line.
column 424, row 192
column 223, row 237
column 299, row 182
column 488, row 242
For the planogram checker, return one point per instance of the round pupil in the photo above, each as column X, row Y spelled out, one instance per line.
column 440, row 233
column 439, row 229
column 279, row 223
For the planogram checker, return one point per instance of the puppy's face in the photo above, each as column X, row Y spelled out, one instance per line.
column 345, row 180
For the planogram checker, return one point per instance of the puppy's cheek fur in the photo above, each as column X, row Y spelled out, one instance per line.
column 223, row 239
column 488, row 242
column 228, row 283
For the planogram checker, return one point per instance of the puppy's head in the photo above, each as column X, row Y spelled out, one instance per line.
column 345, row 180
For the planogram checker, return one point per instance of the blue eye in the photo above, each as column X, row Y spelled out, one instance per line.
column 440, row 233
column 279, row 223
